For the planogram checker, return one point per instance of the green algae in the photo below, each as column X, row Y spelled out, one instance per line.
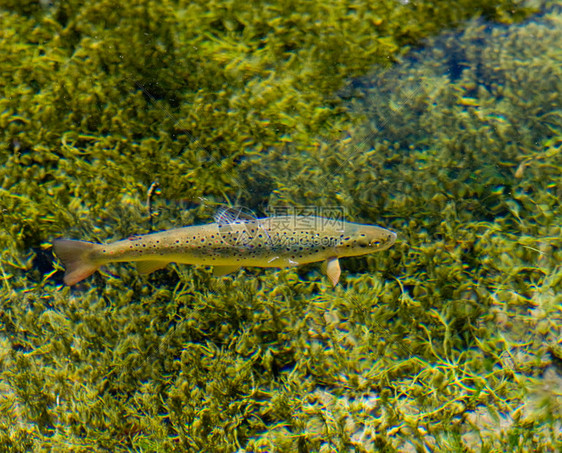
column 448, row 341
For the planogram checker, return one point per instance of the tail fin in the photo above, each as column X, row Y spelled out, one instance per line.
column 76, row 257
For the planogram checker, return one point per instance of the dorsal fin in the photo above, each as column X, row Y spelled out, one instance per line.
column 227, row 216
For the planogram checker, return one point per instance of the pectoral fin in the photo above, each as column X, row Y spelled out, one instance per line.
column 219, row 271
column 146, row 267
column 333, row 270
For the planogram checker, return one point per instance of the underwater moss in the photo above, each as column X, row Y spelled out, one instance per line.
column 448, row 341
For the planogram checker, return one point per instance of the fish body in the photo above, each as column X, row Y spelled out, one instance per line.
column 280, row 241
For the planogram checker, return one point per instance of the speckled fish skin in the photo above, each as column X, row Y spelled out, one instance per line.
column 280, row 241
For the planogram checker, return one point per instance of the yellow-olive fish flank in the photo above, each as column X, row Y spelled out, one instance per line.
column 280, row 241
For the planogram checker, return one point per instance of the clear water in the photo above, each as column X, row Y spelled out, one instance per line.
column 449, row 340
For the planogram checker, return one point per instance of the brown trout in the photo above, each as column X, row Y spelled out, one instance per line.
column 279, row 241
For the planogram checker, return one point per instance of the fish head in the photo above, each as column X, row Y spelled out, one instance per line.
column 364, row 239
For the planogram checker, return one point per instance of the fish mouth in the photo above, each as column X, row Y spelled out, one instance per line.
column 391, row 239
column 386, row 243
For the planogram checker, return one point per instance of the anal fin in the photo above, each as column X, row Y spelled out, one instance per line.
column 146, row 267
column 219, row 271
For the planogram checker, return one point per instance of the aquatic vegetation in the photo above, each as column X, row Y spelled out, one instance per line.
column 449, row 341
